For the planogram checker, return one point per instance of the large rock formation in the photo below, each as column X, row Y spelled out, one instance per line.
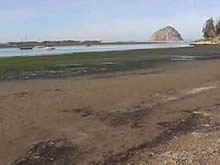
column 167, row 34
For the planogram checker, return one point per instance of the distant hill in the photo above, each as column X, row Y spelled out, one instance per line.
column 167, row 34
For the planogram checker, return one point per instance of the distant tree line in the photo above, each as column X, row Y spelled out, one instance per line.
column 211, row 28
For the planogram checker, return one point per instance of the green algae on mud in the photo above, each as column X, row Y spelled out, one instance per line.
column 75, row 64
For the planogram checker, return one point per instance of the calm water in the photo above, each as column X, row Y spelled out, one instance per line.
column 12, row 52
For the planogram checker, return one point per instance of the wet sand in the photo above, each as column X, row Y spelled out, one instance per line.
column 138, row 117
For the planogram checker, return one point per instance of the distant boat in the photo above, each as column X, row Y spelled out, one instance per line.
column 39, row 47
column 49, row 48
column 26, row 48
column 88, row 45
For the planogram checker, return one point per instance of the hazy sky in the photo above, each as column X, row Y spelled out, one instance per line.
column 101, row 19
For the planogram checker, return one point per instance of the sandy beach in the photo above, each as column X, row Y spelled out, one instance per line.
column 147, row 116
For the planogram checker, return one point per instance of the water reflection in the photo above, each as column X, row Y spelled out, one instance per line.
column 12, row 52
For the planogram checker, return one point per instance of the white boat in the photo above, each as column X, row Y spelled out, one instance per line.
column 49, row 48
column 39, row 47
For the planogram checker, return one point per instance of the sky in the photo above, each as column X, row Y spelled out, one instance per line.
column 124, row 20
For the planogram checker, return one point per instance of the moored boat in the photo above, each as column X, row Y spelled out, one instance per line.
column 49, row 48
column 39, row 47
column 88, row 45
column 26, row 48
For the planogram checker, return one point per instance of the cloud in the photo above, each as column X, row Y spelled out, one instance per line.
column 190, row 26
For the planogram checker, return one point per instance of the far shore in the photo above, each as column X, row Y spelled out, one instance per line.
column 73, row 43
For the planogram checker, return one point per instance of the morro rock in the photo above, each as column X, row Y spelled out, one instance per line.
column 167, row 34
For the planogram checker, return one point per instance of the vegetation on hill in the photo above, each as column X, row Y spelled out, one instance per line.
column 211, row 28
